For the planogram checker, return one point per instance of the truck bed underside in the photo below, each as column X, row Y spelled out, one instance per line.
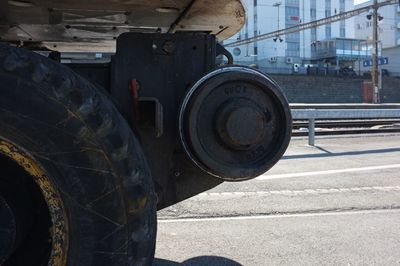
column 93, row 25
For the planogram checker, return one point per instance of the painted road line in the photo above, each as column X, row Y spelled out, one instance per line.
column 328, row 172
column 311, row 191
column 278, row 216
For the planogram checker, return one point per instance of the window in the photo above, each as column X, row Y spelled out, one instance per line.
column 293, row 36
column 328, row 4
column 237, row 51
column 328, row 31
column 293, row 49
column 292, row 2
column 342, row 5
column 292, row 15
column 313, row 13
column 347, row 44
column 295, row 11
column 355, row 45
column 327, row 13
column 314, row 34
column 339, row 44
column 342, row 32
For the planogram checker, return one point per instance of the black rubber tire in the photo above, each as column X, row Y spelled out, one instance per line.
column 91, row 155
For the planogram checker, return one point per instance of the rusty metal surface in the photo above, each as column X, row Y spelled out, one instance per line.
column 58, row 23
column 59, row 229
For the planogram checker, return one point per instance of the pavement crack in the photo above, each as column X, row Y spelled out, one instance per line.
column 278, row 213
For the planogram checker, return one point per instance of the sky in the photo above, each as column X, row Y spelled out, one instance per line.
column 356, row 2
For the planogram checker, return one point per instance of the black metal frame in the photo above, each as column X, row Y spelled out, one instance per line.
column 149, row 78
column 165, row 66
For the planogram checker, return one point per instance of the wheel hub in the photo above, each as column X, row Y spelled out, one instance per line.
column 241, row 127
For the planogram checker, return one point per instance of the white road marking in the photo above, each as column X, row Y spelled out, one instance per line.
column 277, row 216
column 328, row 172
column 296, row 192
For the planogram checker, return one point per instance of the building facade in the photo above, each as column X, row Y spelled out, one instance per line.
column 389, row 26
column 388, row 34
column 281, row 53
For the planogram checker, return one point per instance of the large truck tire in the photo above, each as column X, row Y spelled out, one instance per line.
column 90, row 178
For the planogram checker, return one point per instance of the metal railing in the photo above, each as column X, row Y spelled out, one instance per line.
column 312, row 114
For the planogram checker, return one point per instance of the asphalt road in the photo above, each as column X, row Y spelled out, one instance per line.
column 334, row 204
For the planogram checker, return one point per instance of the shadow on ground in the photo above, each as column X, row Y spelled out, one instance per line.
column 198, row 261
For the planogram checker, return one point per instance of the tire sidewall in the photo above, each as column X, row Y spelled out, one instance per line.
column 108, row 199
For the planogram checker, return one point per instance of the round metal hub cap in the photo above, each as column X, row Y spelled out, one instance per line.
column 235, row 123
column 240, row 127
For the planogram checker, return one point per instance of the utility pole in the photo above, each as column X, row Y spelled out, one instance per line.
column 375, row 42
column 277, row 37
column 255, row 22
column 304, row 39
column 277, row 4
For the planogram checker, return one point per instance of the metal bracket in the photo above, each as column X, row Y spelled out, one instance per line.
column 158, row 118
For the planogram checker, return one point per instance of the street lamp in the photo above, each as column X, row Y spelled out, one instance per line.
column 277, row 38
